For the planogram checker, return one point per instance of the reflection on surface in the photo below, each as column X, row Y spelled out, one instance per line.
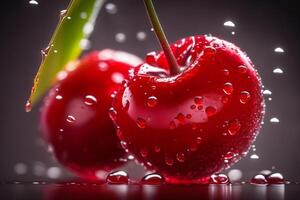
column 76, row 191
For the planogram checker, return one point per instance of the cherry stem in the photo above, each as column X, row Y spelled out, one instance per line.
column 173, row 65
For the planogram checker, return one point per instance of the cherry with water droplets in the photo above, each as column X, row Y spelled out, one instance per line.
column 79, row 104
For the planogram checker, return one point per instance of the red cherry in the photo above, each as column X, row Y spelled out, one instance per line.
column 74, row 117
column 198, row 122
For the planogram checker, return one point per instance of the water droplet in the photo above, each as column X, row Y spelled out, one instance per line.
column 111, row 8
column 234, row 127
column 28, row 106
column 180, row 157
column 70, row 119
column 33, row 2
column 85, row 44
column 83, row 15
column 232, row 33
column 45, row 51
column 228, row 89
column 169, row 160
column 157, row 148
column 193, row 107
column 90, row 100
column 20, row 168
column 225, row 99
column 278, row 71
column 117, row 77
column 141, row 36
column 198, row 100
column 210, row 111
column 62, row 14
column 258, row 179
column 254, row 157
column 120, row 37
column 279, row 50
column 88, row 28
column 229, row 155
column 181, row 118
column 275, row 178
column 54, row 172
column 209, row 51
column 130, row 157
column 152, row 29
column 144, row 152
column 242, row 69
column 188, row 116
column 118, row 177
column 267, row 92
column 235, row 174
column 112, row 113
column 229, row 24
column 151, row 101
column 244, row 97
column 274, row 120
column 226, row 72
column 141, row 122
column 153, row 179
column 219, row 179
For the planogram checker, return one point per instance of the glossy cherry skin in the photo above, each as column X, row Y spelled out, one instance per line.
column 195, row 123
column 74, row 117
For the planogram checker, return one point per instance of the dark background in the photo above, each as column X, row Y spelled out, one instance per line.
column 261, row 26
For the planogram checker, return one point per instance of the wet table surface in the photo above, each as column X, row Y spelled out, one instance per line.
column 72, row 190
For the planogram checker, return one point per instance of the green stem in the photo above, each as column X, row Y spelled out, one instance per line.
column 173, row 65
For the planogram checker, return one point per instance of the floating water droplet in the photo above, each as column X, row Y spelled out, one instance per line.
column 54, row 172
column 274, row 120
column 254, row 156
column 244, row 97
column 33, row 2
column 267, row 92
column 144, row 152
column 153, row 179
column 20, row 168
column 85, row 44
column 242, row 69
column 228, row 88
column 259, row 179
column 112, row 113
column 279, row 50
column 275, row 178
column 210, row 111
column 151, row 101
column 141, row 122
column 235, row 174
column 28, row 106
column 120, row 37
column 229, row 24
column 70, row 119
column 219, row 179
column 90, row 100
column 234, row 127
column 111, row 8
column 180, row 157
column 278, row 71
column 169, row 160
column 118, row 177
column 141, row 36
column 198, row 100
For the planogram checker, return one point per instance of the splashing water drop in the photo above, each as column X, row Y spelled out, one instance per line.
column 152, row 101
column 111, row 8
column 228, row 88
column 259, row 179
column 90, row 100
column 278, row 71
column 229, row 24
column 279, row 50
column 141, row 123
column 275, row 178
column 274, row 120
column 120, row 37
column 244, row 97
column 153, row 179
column 118, row 177
column 219, row 179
